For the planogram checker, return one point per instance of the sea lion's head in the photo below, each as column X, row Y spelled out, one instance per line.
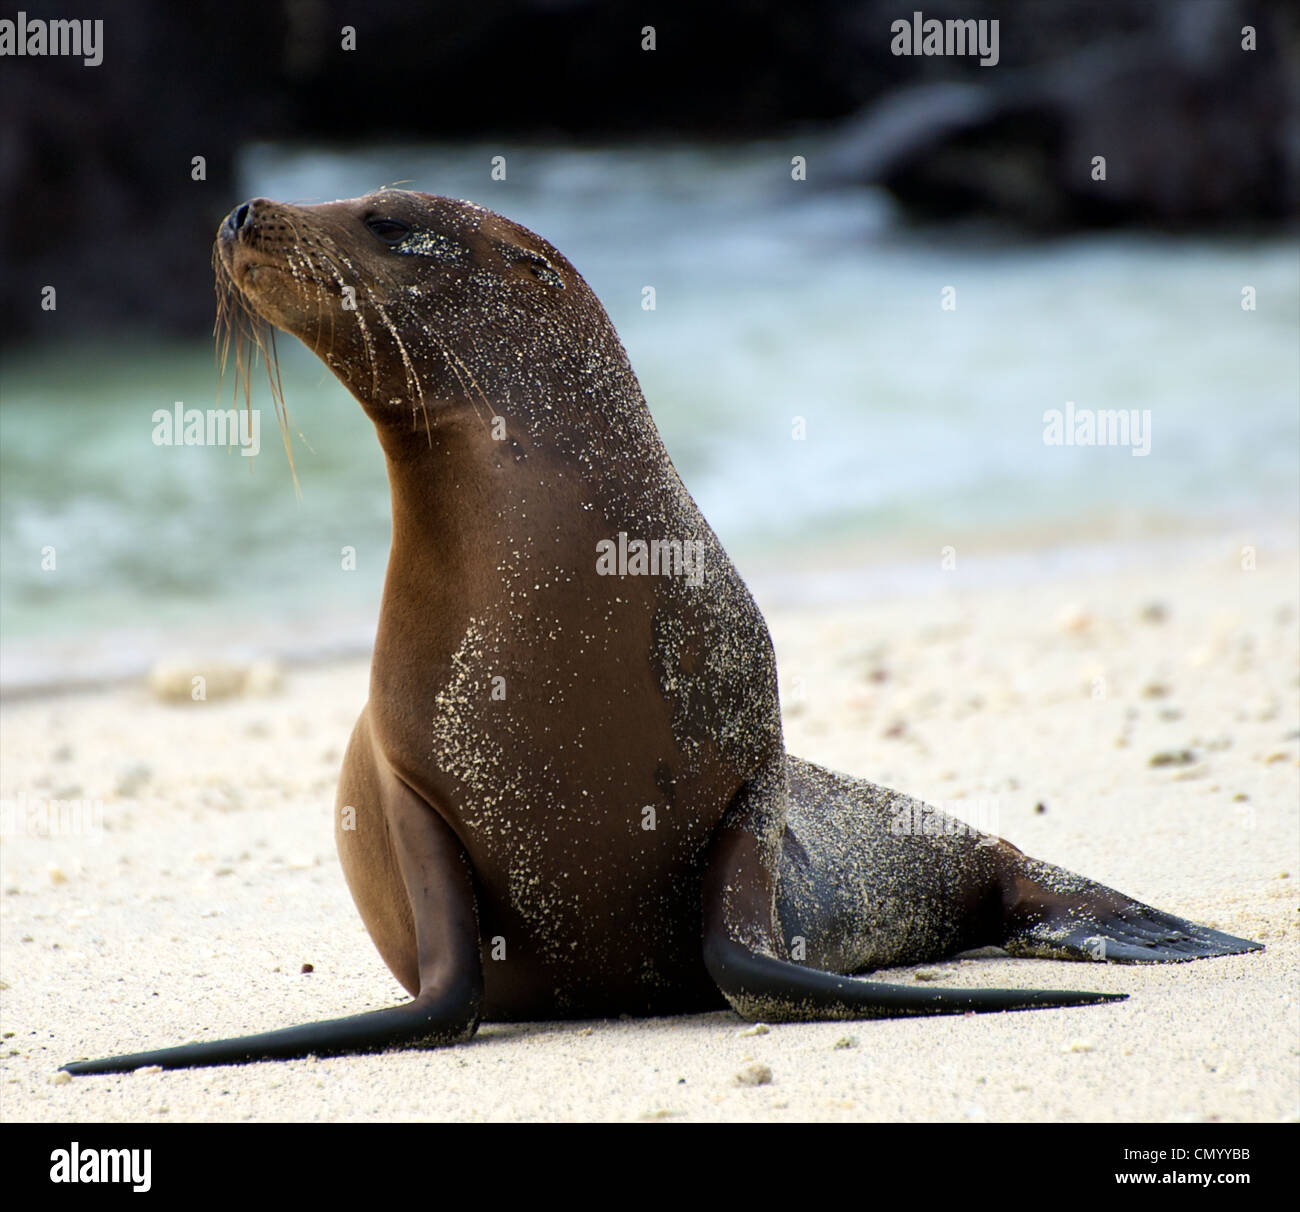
column 415, row 302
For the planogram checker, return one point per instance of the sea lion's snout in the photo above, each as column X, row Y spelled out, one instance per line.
column 251, row 243
column 239, row 225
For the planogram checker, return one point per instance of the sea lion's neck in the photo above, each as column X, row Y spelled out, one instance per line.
column 445, row 481
column 462, row 502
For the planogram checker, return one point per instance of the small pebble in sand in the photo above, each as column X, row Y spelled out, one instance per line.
column 926, row 974
column 1078, row 1045
column 754, row 1075
column 1172, row 757
column 1155, row 690
column 846, row 1041
column 1074, row 619
column 1040, row 808
column 57, row 874
column 1153, row 612
column 308, row 968
column 133, row 778
column 757, row 1029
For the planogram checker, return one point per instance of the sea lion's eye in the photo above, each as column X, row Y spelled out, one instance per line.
column 390, row 231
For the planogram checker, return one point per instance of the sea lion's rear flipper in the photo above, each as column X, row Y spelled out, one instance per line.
column 445, row 970
column 743, row 948
column 1056, row 914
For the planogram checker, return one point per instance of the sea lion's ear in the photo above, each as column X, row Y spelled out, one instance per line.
column 535, row 263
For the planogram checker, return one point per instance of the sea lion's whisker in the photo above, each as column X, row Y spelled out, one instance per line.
column 239, row 328
column 412, row 376
column 457, row 365
column 319, row 271
column 413, row 382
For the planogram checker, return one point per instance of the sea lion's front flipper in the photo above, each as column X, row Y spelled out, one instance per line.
column 420, row 1022
column 445, row 1009
column 1059, row 915
column 744, row 951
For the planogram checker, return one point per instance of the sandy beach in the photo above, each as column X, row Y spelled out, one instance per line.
column 1141, row 726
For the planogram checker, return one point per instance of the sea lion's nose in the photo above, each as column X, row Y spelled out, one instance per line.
column 241, row 216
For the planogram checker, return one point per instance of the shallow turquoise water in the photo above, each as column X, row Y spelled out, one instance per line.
column 774, row 300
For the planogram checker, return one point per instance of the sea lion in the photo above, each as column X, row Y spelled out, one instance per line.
column 569, row 787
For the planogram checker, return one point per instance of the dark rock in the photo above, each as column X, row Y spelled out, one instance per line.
column 1195, row 131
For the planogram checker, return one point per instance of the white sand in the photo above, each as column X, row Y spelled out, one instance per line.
column 214, row 879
